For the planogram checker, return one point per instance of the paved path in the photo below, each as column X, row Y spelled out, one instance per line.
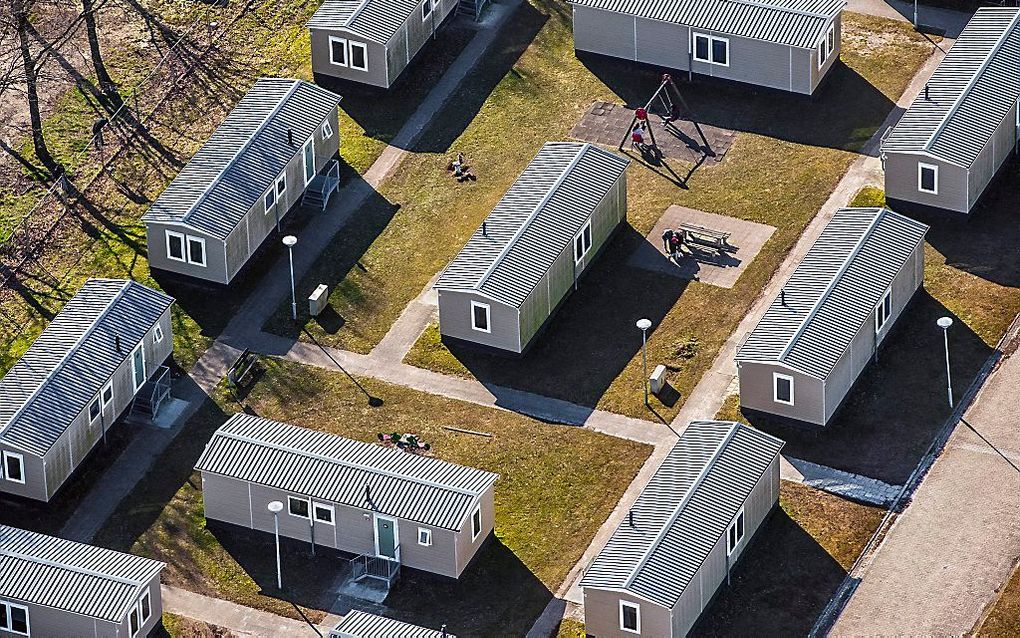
column 941, row 563
column 853, row 486
column 240, row 619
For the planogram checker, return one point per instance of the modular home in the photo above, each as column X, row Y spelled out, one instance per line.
column 373, row 41
column 274, row 150
column 683, row 535
column 530, row 251
column 356, row 497
column 358, row 624
column 831, row 315
column 54, row 587
column 788, row 45
column 102, row 354
column 961, row 128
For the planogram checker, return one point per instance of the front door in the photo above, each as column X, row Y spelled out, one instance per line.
column 308, row 153
column 385, row 537
column 138, row 367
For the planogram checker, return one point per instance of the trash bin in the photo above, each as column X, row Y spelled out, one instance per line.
column 318, row 299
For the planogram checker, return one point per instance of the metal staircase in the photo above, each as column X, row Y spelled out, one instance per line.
column 322, row 186
column 151, row 396
column 376, row 571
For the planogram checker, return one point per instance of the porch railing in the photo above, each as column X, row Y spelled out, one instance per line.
column 160, row 389
column 381, row 568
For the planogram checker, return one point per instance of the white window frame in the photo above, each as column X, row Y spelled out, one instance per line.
column 488, row 316
column 184, row 246
column 827, row 45
column 776, row 376
column 424, row 537
column 281, row 187
column 98, row 402
column 20, row 458
column 711, row 50
column 822, row 54
column 108, row 386
column 137, row 615
column 191, row 259
column 626, row 604
column 269, row 199
column 882, row 313
column 323, row 506
column 735, row 528
column 476, row 532
column 343, row 47
column 327, row 130
column 308, row 502
column 431, row 7
column 585, row 237
column 920, row 182
column 350, row 55
column 141, row 614
column 157, row 334
column 10, row 625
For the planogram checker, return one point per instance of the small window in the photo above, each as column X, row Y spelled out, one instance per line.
column 14, row 467
column 735, row 533
column 582, row 243
column 107, row 394
column 145, row 607
column 476, row 523
column 821, row 54
column 135, row 626
column 630, row 617
column 426, row 10
column 94, row 410
column 175, row 246
column 14, row 618
column 720, row 51
column 196, row 251
column 281, row 187
column 701, row 44
column 711, row 49
column 297, row 506
column 157, row 334
column 883, row 311
column 323, row 513
column 424, row 537
column 782, row 386
column 480, row 316
column 359, row 56
column 830, row 38
column 337, row 51
column 928, row 178
column 270, row 199
column 327, row 130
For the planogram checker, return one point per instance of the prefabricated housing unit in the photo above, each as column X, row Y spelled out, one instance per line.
column 788, row 45
column 86, row 369
column 530, row 251
column 373, row 41
column 964, row 125
column 356, row 497
column 683, row 535
column 274, row 150
column 360, row 624
column 55, row 587
column 826, row 324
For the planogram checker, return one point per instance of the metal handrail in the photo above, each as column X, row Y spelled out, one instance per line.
column 160, row 389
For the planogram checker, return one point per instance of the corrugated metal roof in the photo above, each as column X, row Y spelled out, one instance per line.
column 683, row 511
column 244, row 156
column 798, row 23
column 534, row 222
column 969, row 94
column 375, row 20
column 73, row 577
column 73, row 358
column 834, row 290
column 359, row 624
column 341, row 470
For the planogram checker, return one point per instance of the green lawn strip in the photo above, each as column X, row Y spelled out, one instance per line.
column 431, row 353
column 175, row 626
column 868, row 197
column 570, row 628
column 1003, row 617
column 557, row 485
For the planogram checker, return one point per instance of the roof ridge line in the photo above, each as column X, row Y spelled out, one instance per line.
column 357, row 12
column 973, row 80
column 832, row 282
column 241, row 148
column 320, row 457
column 126, row 283
column 791, row 11
column 534, row 213
column 734, row 426
column 72, row 568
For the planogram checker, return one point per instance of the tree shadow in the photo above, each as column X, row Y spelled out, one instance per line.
column 843, row 114
column 783, row 581
column 898, row 404
column 591, row 338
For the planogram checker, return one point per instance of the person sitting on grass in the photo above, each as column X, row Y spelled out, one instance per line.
column 460, row 171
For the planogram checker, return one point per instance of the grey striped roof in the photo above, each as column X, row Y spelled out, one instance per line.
column 683, row 511
column 534, row 222
column 798, row 23
column 243, row 156
column 969, row 94
column 375, row 20
column 72, row 360
column 359, row 624
column 72, row 577
column 834, row 290
column 340, row 470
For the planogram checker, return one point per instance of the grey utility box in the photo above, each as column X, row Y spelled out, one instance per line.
column 657, row 380
column 318, row 299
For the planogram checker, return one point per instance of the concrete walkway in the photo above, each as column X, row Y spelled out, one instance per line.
column 943, row 561
column 241, row 620
column 852, row 486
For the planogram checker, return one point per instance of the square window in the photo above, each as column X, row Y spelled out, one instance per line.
column 630, row 617
column 480, row 315
column 108, row 394
column 18, row 619
column 94, row 410
column 720, row 51
column 175, row 246
column 196, row 251
column 735, row 533
column 476, row 523
column 145, row 606
column 426, row 10
column 281, row 186
column 582, row 243
column 297, row 506
column 701, row 48
column 782, row 388
column 270, row 199
column 424, row 536
column 323, row 513
column 327, row 130
column 928, row 178
column 338, row 51
column 158, row 333
column 14, row 467
column 359, row 56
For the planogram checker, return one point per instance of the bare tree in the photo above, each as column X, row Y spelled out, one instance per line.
column 106, row 83
column 20, row 10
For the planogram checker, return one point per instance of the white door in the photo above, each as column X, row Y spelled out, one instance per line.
column 308, row 153
column 138, row 367
column 385, row 536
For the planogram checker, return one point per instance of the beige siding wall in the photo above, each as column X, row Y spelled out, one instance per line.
column 995, row 153
column 603, row 32
column 756, row 392
column 215, row 268
column 809, row 58
column 35, row 478
column 602, row 615
column 662, row 44
column 376, row 74
column 455, row 321
column 466, row 547
column 901, row 182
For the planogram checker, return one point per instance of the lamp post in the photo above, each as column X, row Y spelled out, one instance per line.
column 644, row 325
column 944, row 323
column 289, row 241
column 276, row 507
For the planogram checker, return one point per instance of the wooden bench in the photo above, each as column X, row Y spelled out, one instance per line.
column 702, row 236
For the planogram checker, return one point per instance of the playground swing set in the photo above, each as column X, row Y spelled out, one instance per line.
column 669, row 97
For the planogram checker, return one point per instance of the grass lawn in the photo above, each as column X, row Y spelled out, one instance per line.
column 789, row 154
column 557, row 485
column 1003, row 618
column 180, row 627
